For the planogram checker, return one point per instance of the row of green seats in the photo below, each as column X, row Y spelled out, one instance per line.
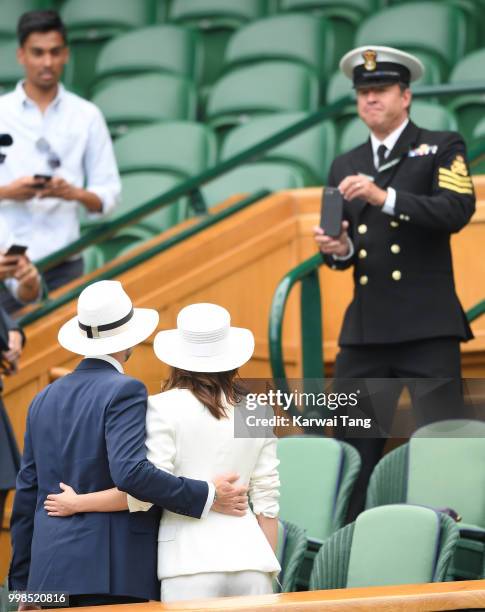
column 319, row 37
column 440, row 468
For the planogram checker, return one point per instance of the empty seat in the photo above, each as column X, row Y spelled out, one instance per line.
column 137, row 189
column 267, row 87
column 164, row 48
column 431, row 30
column 290, row 551
column 216, row 20
column 10, row 11
column 311, row 152
column 10, row 70
column 469, row 108
column 313, row 43
column 251, row 178
column 90, row 24
column 344, row 15
column 395, row 544
column 180, row 148
column 442, row 466
column 145, row 99
column 477, row 165
column 425, row 114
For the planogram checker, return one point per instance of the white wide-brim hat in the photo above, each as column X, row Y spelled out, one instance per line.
column 204, row 341
column 106, row 322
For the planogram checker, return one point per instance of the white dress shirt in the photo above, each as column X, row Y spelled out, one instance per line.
column 212, row 490
column 185, row 439
column 77, row 134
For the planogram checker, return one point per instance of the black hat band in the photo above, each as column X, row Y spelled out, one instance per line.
column 385, row 72
column 93, row 331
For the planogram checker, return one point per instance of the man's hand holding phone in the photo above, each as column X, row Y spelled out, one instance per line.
column 24, row 188
column 333, row 245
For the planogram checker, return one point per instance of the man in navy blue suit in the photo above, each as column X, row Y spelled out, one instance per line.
column 88, row 429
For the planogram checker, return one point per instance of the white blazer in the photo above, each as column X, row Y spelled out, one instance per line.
column 183, row 438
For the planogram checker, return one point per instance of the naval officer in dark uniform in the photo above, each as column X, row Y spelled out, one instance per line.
column 406, row 190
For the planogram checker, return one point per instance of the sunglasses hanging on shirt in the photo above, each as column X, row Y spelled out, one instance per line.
column 43, row 146
column 5, row 141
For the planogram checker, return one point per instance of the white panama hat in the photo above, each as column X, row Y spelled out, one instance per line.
column 106, row 321
column 204, row 341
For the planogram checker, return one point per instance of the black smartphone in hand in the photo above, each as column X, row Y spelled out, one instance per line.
column 16, row 249
column 332, row 211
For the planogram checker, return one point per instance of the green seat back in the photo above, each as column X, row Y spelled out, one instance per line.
column 424, row 114
column 313, row 42
column 138, row 188
column 246, row 92
column 183, row 148
column 216, row 20
column 469, row 107
column 145, row 99
column 93, row 258
column 315, row 460
column 250, row 178
column 394, row 545
column 10, row 70
column 158, row 48
column 426, row 28
column 10, row 11
column 90, row 24
column 290, row 551
column 479, row 131
column 359, row 8
column 311, row 151
column 446, row 468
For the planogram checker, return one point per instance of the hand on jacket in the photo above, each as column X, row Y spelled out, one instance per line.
column 231, row 498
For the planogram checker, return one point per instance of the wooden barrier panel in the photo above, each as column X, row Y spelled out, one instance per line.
column 410, row 598
column 237, row 263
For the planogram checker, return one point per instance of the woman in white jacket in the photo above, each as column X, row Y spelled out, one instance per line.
column 190, row 432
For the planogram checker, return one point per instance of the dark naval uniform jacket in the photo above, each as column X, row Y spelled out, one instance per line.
column 403, row 272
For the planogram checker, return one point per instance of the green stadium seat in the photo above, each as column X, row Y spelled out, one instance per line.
column 90, row 24
column 290, row 552
column 344, row 15
column 10, row 11
column 311, row 152
column 10, row 70
column 155, row 49
column 180, row 148
column 268, row 87
column 442, row 466
column 93, row 258
column 395, row 544
column 469, row 108
column 477, row 166
column 475, row 17
column 250, row 178
column 139, row 188
column 145, row 99
column 313, row 43
column 431, row 30
column 320, row 509
column 216, row 20
column 425, row 114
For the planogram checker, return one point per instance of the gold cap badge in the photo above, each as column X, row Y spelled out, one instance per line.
column 369, row 59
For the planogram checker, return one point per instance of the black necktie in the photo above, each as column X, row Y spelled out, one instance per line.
column 381, row 154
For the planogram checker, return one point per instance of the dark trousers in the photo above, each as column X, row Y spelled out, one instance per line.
column 437, row 358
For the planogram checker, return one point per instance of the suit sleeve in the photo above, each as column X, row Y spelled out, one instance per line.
column 130, row 469
column 160, row 445
column 451, row 201
column 331, row 262
column 23, row 513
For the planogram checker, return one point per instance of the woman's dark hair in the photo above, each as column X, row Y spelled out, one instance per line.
column 40, row 21
column 208, row 388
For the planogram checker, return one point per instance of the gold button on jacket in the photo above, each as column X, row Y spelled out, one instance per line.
column 396, row 275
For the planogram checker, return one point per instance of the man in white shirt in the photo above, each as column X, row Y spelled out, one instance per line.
column 405, row 191
column 61, row 160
